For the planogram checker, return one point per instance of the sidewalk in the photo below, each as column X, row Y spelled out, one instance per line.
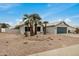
column 67, row 51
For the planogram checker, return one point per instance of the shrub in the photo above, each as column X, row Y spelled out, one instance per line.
column 5, row 55
column 36, row 36
column 6, row 41
column 50, row 38
column 77, row 30
column 59, row 39
column 25, row 42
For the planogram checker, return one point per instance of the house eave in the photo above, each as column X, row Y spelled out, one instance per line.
column 59, row 24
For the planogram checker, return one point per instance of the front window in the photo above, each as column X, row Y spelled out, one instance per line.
column 27, row 28
column 38, row 28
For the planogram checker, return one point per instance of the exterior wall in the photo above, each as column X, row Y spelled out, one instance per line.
column 62, row 25
column 22, row 29
column 41, row 29
column 4, row 29
column 8, row 30
column 53, row 30
column 13, row 31
column 72, row 30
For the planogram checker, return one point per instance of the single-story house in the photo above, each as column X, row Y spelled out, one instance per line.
column 60, row 28
column 23, row 28
column 54, row 28
column 4, row 27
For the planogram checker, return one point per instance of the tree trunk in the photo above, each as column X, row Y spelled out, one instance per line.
column 44, row 29
column 31, row 29
column 35, row 29
column 26, row 29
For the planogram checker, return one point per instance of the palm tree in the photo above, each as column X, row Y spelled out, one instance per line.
column 28, row 20
column 36, row 19
column 44, row 28
column 31, row 28
column 26, row 23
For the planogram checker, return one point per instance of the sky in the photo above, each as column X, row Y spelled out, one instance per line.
column 12, row 13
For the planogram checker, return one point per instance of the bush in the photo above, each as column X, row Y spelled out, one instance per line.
column 59, row 39
column 25, row 34
column 77, row 30
column 50, row 38
column 6, row 41
column 25, row 42
column 5, row 55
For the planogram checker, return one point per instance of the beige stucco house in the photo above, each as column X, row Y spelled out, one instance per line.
column 22, row 28
column 54, row 28
column 60, row 28
column 4, row 29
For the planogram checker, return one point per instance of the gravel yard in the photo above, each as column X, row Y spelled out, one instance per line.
column 18, row 45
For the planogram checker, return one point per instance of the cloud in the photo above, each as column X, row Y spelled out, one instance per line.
column 5, row 6
column 60, row 20
column 11, row 23
column 18, row 21
column 7, row 22
column 56, row 9
column 49, row 5
column 67, row 20
column 75, row 16
column 10, row 12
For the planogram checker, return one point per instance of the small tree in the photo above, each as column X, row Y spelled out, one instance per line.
column 44, row 28
column 77, row 30
column 3, row 25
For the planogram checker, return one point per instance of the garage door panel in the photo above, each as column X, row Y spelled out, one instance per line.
column 61, row 30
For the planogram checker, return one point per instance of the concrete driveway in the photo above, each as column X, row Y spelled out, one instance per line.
column 67, row 51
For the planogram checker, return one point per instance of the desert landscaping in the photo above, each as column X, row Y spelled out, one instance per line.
column 12, row 44
column 41, row 29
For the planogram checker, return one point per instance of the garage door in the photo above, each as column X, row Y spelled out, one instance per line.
column 61, row 30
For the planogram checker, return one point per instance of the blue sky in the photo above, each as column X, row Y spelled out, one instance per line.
column 13, row 13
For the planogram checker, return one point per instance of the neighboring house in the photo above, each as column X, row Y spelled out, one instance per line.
column 0, row 27
column 60, row 28
column 54, row 28
column 4, row 27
